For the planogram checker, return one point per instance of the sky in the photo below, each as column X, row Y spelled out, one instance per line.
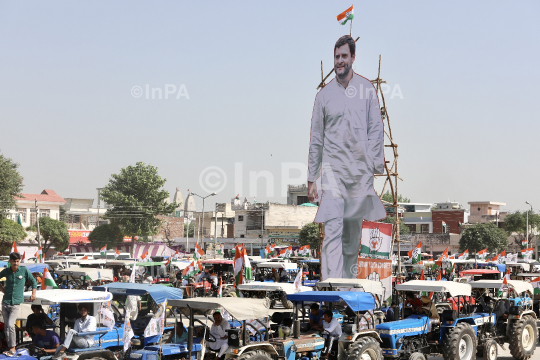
column 238, row 80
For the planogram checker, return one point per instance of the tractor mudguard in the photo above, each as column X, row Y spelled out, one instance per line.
column 266, row 347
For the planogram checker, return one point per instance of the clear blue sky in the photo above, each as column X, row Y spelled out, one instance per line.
column 467, row 126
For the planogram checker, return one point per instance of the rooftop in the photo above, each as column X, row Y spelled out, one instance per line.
column 486, row 203
column 45, row 196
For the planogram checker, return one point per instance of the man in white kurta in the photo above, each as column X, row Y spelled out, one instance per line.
column 346, row 149
column 219, row 331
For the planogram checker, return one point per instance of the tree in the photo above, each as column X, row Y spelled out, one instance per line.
column 480, row 236
column 10, row 185
column 388, row 198
column 54, row 233
column 191, row 227
column 137, row 197
column 309, row 235
column 10, row 232
column 107, row 234
column 403, row 230
column 516, row 224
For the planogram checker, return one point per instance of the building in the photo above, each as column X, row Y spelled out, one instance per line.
column 487, row 211
column 48, row 204
column 417, row 217
column 218, row 220
column 297, row 194
column 447, row 218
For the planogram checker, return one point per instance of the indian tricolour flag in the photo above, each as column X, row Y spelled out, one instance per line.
column 527, row 253
column 536, row 285
column 39, row 254
column 266, row 252
column 464, row 255
column 524, row 242
column 116, row 253
column 345, row 16
column 198, row 252
column 504, row 285
column 247, row 265
column 414, row 254
column 47, row 281
column 103, row 251
column 238, row 264
column 14, row 248
column 192, row 269
column 304, row 251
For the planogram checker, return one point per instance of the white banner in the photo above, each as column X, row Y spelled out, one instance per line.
column 157, row 323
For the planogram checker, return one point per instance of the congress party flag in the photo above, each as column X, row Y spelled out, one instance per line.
column 14, row 248
column 103, row 251
column 198, row 252
column 47, row 281
column 376, row 241
column 414, row 254
column 346, row 16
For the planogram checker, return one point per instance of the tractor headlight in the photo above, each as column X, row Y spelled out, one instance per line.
column 399, row 341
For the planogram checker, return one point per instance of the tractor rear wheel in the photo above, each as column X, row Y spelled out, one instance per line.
column 255, row 355
column 523, row 337
column 490, row 350
column 365, row 348
column 460, row 343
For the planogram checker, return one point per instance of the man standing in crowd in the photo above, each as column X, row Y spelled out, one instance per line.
column 16, row 276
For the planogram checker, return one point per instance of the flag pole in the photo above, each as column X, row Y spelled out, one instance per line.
column 351, row 28
column 475, row 263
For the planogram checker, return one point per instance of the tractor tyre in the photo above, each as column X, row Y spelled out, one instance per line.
column 460, row 343
column 490, row 350
column 287, row 304
column 255, row 355
column 417, row 356
column 523, row 337
column 365, row 348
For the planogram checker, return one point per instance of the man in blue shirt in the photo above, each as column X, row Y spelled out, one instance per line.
column 46, row 340
column 315, row 317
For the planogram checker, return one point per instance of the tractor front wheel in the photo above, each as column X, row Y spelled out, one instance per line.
column 417, row 356
column 255, row 355
column 523, row 337
column 460, row 343
column 490, row 350
column 365, row 348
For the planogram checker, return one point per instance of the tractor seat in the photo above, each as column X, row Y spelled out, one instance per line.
column 92, row 348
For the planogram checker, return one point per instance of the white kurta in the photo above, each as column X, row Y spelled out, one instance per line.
column 218, row 331
column 347, row 147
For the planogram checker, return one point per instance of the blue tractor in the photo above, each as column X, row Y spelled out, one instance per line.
column 247, row 340
column 434, row 328
column 511, row 318
column 354, row 309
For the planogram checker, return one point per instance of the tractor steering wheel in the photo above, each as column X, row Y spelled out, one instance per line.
column 209, row 337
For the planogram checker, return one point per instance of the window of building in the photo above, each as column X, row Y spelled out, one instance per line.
column 23, row 214
column 32, row 217
column 240, row 217
column 44, row 213
column 241, row 236
column 301, row 200
column 412, row 228
column 424, row 228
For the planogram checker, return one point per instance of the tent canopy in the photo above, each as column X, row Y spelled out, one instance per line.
column 518, row 285
column 454, row 288
column 278, row 265
column 239, row 308
column 270, row 286
column 357, row 301
column 57, row 296
column 479, row 272
column 158, row 292
column 34, row 268
column 370, row 286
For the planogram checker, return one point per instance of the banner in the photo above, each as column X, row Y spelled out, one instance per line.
column 156, row 325
column 377, row 270
column 376, row 241
column 107, row 318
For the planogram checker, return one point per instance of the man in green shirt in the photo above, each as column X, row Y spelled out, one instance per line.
column 16, row 276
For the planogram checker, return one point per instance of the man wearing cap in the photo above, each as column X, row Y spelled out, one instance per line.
column 16, row 276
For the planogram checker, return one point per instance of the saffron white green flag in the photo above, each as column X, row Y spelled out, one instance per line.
column 103, row 251
column 536, row 285
column 345, row 16
column 47, row 281
column 238, row 264
column 415, row 254
column 304, row 251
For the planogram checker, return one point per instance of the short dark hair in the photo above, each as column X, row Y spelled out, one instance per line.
column 84, row 305
column 346, row 39
column 38, row 324
column 329, row 313
column 14, row 256
column 314, row 306
column 287, row 322
column 216, row 313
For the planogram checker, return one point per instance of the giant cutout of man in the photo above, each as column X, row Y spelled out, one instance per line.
column 346, row 149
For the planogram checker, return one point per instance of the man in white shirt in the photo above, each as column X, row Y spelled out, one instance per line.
column 133, row 306
column 85, row 323
column 346, row 150
column 332, row 330
column 219, row 331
